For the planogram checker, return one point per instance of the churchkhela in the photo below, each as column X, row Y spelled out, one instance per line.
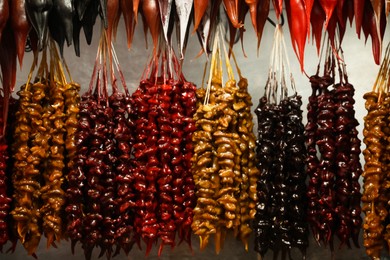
column 333, row 163
column 280, row 224
column 224, row 167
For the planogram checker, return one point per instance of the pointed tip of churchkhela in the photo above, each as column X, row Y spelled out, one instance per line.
column 64, row 10
column 151, row 16
column 328, row 6
column 8, row 60
column 89, row 20
column 242, row 12
column 113, row 15
column 183, row 10
column 4, row 15
column 88, row 252
column 21, row 27
column 103, row 11
column 232, row 11
column 149, row 245
column 38, row 14
column 262, row 14
column 72, row 245
column 359, row 6
column 20, row 41
column 253, row 12
column 203, row 241
column 129, row 19
column 165, row 7
column 308, row 8
column 81, row 6
column 331, row 29
column 370, row 28
column 76, row 35
column 297, row 22
column 200, row 7
column 278, row 7
column 317, row 20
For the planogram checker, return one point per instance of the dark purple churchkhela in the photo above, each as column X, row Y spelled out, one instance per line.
column 280, row 219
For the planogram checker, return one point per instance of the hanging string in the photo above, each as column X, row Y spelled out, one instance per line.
column 212, row 68
column 228, row 65
column 96, row 68
column 268, row 86
column 119, row 70
column 292, row 81
column 381, row 82
column 321, row 53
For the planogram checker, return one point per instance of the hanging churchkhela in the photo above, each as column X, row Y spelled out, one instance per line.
column 280, row 218
column 224, row 163
column 333, row 162
column 165, row 103
column 375, row 196
column 100, row 189
column 38, row 152
column 6, row 169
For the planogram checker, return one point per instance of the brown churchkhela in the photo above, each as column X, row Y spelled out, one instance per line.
column 38, row 153
column 34, row 197
column 373, row 175
column 224, row 161
column 376, row 225
column 26, row 176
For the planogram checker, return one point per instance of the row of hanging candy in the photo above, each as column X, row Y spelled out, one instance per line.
column 148, row 238
column 115, row 201
column 65, row 19
column 121, row 184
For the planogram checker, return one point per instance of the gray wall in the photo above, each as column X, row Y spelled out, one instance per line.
column 361, row 70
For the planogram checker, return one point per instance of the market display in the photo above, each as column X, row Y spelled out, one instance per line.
column 111, row 169
column 333, row 162
column 375, row 188
column 224, row 167
column 280, row 223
